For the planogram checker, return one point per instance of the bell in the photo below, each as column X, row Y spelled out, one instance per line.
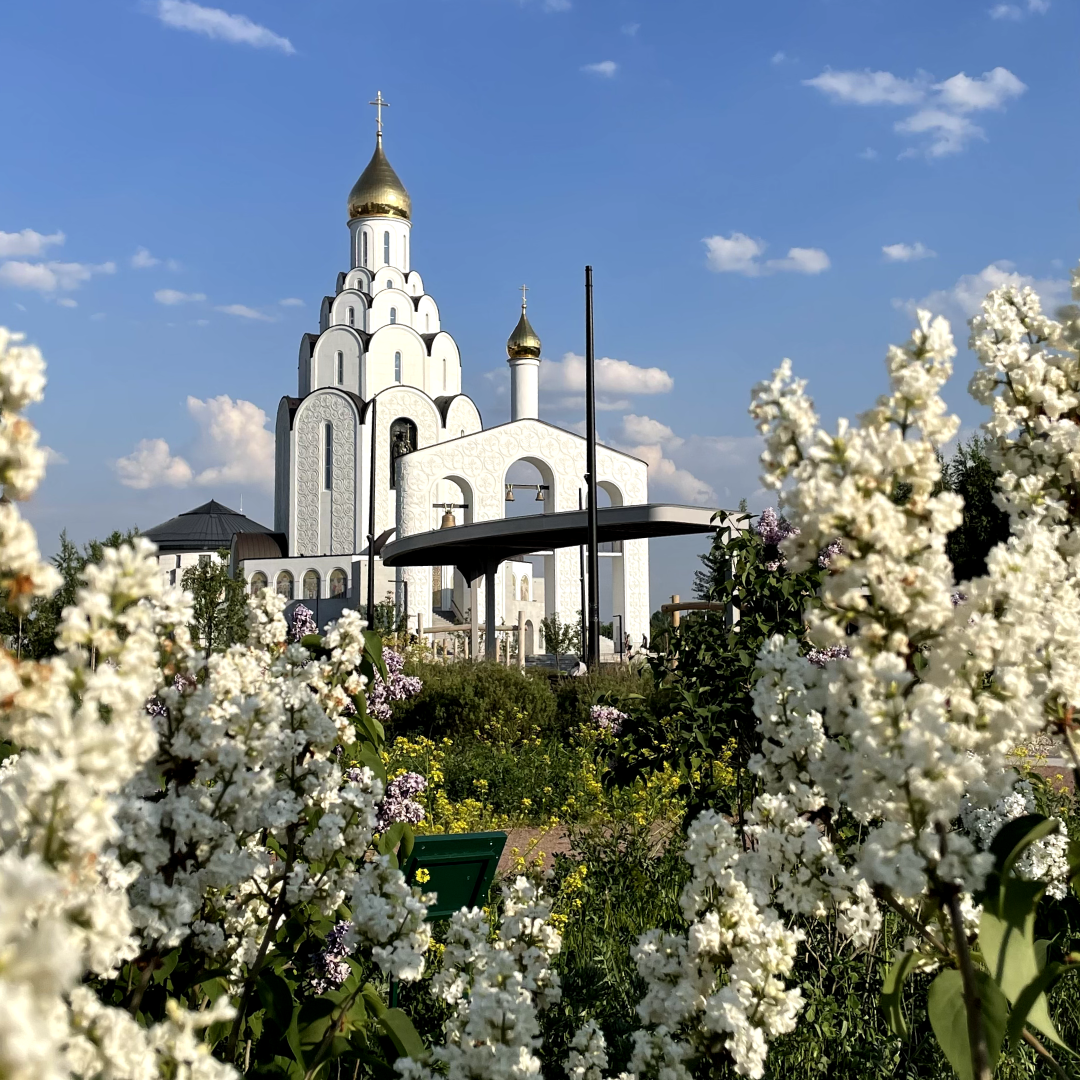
column 539, row 493
column 448, row 521
column 509, row 492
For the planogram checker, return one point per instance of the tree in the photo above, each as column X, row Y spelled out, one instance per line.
column 561, row 638
column 219, row 603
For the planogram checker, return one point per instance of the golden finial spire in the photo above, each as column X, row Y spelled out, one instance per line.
column 524, row 343
column 379, row 104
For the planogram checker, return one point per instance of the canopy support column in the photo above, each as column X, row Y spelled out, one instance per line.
column 491, row 641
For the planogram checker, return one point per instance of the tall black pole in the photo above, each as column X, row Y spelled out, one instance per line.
column 371, row 521
column 584, row 605
column 590, row 478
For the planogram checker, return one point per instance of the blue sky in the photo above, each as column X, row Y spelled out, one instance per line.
column 734, row 173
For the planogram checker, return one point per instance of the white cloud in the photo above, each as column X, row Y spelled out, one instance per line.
column 778, row 57
column 667, row 478
column 741, row 254
column 233, row 442
column 869, row 154
column 630, row 29
column 907, row 252
column 942, row 116
column 644, row 429
column 605, row 68
column 869, row 87
column 27, row 242
column 53, row 457
column 962, row 300
column 66, row 301
column 567, row 376
column 152, row 464
column 1015, row 12
column 242, row 311
column 51, row 276
column 98, row 316
column 171, row 297
column 143, row 260
column 291, row 301
column 802, row 261
column 221, row 25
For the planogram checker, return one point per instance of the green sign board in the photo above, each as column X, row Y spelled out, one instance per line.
column 460, row 869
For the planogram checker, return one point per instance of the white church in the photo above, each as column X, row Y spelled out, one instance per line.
column 379, row 412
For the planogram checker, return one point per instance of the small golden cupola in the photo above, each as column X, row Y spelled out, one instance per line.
column 523, row 343
column 379, row 192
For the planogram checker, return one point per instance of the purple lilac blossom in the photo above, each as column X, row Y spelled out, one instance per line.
column 773, row 530
column 329, row 970
column 303, row 623
column 398, row 803
column 820, row 657
column 380, row 694
column 829, row 552
column 958, row 598
column 607, row 718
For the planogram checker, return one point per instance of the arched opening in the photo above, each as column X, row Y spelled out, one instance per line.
column 258, row 582
column 524, row 595
column 393, row 316
column 339, row 583
column 386, row 247
column 452, row 502
column 402, row 441
column 352, row 316
column 364, row 259
column 532, row 483
column 530, row 638
column 285, row 584
column 397, row 367
column 311, row 585
column 340, row 368
column 611, row 579
column 328, row 456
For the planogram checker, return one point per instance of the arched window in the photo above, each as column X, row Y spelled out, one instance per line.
column 328, row 458
column 402, row 441
column 389, row 283
column 285, row 584
column 340, row 368
column 386, row 247
column 258, row 582
column 524, row 588
column 363, row 261
column 397, row 367
column 311, row 585
column 338, row 583
column 393, row 315
column 352, row 316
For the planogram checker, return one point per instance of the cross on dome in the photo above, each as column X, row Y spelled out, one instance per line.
column 524, row 290
column 379, row 104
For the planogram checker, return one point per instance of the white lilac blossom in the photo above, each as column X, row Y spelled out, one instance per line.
column 496, row 984
column 303, row 623
column 398, row 803
column 608, row 719
column 399, row 687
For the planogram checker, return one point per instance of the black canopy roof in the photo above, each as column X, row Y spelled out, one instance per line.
column 206, row 528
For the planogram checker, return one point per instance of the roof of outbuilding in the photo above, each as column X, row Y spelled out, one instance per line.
column 209, row 527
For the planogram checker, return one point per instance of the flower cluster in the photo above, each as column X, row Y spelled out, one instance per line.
column 328, row 968
column 303, row 623
column 773, row 530
column 608, row 719
column 383, row 692
column 399, row 803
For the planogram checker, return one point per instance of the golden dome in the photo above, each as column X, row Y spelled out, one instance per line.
column 379, row 192
column 523, row 343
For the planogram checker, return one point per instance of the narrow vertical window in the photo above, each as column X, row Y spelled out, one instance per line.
column 363, row 244
column 397, row 366
column 386, row 247
column 352, row 316
column 328, row 461
column 393, row 315
column 340, row 368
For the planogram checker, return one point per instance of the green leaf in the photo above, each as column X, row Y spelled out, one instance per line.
column 1030, row 996
column 892, row 991
column 165, row 966
column 276, row 996
column 408, row 840
column 948, row 1018
column 373, row 999
column 1015, row 836
column 371, row 759
column 1007, row 943
column 406, row 1039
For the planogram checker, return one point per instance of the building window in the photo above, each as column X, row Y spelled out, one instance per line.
column 311, row 585
column 172, row 577
column 178, row 562
column 402, row 441
column 397, row 367
column 340, row 368
column 204, row 560
column 285, row 584
column 338, row 583
column 386, row 248
column 352, row 316
column 393, row 315
column 389, row 283
column 258, row 582
column 328, row 457
column 524, row 588
column 363, row 243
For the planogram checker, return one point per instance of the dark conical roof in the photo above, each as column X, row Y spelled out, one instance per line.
column 206, row 528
